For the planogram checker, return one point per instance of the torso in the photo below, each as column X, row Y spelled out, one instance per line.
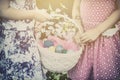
column 94, row 12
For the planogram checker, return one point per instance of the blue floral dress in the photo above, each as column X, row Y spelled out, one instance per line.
column 19, row 55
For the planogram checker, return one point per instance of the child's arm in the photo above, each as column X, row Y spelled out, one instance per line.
column 111, row 21
column 76, row 9
column 10, row 13
column 93, row 34
column 76, row 16
column 76, row 13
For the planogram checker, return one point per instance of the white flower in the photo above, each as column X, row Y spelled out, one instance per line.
column 60, row 25
column 44, row 24
column 43, row 30
column 57, row 25
column 48, row 32
column 53, row 31
column 58, row 10
column 50, row 27
column 38, row 35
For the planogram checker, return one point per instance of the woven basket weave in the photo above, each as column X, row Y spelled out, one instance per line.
column 57, row 62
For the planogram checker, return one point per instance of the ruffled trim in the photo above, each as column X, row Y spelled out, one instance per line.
column 112, row 31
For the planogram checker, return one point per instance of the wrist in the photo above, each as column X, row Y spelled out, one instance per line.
column 31, row 14
column 99, row 31
column 79, row 25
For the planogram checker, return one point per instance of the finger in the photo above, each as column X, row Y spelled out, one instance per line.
column 83, row 38
column 82, row 35
column 77, row 40
column 90, row 41
column 86, row 40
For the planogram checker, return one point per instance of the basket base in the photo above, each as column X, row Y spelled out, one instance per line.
column 56, row 62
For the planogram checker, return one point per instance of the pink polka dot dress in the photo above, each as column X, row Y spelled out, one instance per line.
column 101, row 59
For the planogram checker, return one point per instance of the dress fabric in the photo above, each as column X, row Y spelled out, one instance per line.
column 19, row 54
column 100, row 59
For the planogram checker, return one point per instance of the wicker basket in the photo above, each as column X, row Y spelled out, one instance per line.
column 57, row 62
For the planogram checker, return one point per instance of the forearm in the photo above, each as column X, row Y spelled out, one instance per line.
column 76, row 14
column 76, row 4
column 76, row 9
column 15, row 14
column 109, row 22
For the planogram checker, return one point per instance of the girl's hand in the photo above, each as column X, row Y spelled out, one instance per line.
column 89, row 36
column 77, row 37
column 41, row 15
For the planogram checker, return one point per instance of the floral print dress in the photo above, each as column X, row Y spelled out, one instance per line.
column 19, row 55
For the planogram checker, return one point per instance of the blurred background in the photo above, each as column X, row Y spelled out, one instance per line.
column 64, row 5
